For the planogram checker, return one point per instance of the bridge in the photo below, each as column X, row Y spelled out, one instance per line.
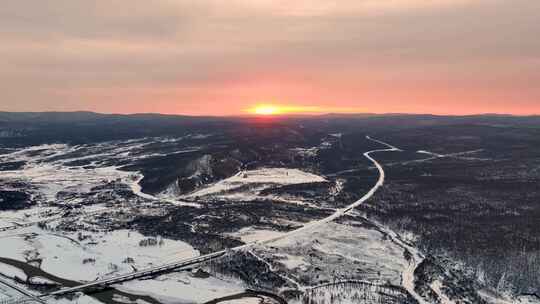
column 100, row 284
column 27, row 298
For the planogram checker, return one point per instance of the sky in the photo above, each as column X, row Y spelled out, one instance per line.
column 224, row 57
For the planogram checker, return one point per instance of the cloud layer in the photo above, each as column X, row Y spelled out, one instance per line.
column 220, row 57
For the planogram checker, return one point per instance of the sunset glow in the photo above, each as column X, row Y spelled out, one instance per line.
column 281, row 109
column 266, row 110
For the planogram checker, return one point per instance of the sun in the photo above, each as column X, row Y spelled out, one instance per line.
column 266, row 110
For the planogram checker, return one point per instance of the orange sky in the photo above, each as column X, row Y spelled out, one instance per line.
column 209, row 57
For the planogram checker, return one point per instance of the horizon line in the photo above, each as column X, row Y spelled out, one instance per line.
column 250, row 115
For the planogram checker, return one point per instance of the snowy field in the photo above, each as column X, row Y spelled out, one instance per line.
column 69, row 175
column 51, row 168
column 247, row 185
column 50, row 179
column 339, row 250
column 98, row 255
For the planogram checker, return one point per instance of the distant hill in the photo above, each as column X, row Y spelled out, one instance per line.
column 24, row 128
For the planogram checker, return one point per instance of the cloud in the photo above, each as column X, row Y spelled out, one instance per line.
column 378, row 55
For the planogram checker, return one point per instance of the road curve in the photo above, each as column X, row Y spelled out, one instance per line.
column 340, row 212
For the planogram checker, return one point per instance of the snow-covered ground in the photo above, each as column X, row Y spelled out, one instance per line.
column 36, row 213
column 292, row 261
column 51, row 169
column 348, row 247
column 165, row 197
column 306, row 153
column 97, row 256
column 46, row 173
column 7, row 293
column 50, row 179
column 79, row 298
column 491, row 297
column 249, row 234
column 247, row 185
column 183, row 287
column 107, row 254
column 12, row 272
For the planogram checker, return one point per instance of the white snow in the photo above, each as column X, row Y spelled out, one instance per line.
column 50, row 176
column 137, row 190
column 41, row 280
column 528, row 299
column 12, row 272
column 310, row 152
column 257, row 178
column 80, row 298
column 53, row 178
column 436, row 286
column 355, row 244
column 182, row 287
column 292, row 261
column 493, row 297
column 7, row 293
column 249, row 234
column 63, row 255
column 36, row 213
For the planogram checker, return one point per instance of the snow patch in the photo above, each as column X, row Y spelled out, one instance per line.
column 272, row 176
column 250, row 234
column 12, row 272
